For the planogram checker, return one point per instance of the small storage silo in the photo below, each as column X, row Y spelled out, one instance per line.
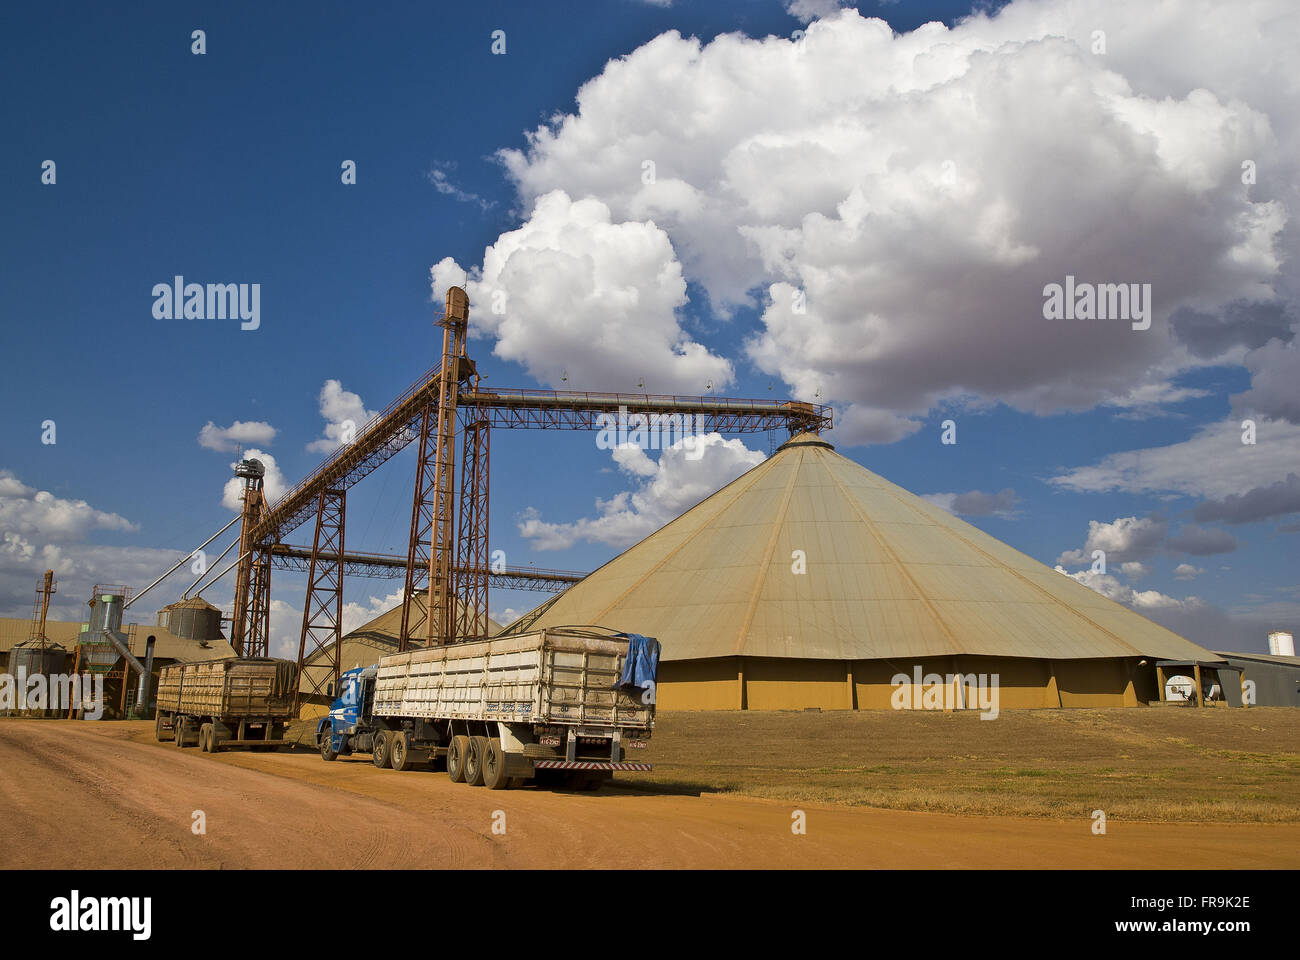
column 31, row 658
column 95, row 652
column 193, row 619
column 35, row 656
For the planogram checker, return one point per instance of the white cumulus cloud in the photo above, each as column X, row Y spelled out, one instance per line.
column 241, row 433
column 26, row 511
column 273, row 482
column 573, row 291
column 895, row 203
column 1124, row 539
column 667, row 489
column 808, row 10
column 1143, row 600
column 1212, row 463
column 344, row 415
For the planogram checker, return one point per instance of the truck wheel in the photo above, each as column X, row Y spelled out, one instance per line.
column 457, row 754
column 494, row 766
column 205, row 738
column 379, row 753
column 399, row 750
column 179, row 737
column 327, row 751
column 474, row 761
column 158, row 728
column 549, row 779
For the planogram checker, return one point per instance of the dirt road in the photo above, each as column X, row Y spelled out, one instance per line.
column 82, row 795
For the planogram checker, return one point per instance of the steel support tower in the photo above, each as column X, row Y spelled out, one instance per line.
column 446, row 576
column 472, row 562
column 250, row 622
column 321, row 640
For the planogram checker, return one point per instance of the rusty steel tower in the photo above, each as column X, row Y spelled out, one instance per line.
column 446, row 568
column 250, row 626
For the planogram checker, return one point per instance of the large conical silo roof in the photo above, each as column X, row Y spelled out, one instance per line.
column 888, row 575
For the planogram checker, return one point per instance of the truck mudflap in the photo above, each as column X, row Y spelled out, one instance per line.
column 589, row 765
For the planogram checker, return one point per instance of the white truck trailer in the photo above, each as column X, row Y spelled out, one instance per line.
column 549, row 706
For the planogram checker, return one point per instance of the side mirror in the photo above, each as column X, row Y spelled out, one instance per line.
column 329, row 689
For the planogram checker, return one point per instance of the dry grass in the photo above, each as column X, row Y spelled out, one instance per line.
column 1160, row 764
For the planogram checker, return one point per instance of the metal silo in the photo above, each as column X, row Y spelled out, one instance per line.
column 193, row 619
column 37, row 657
column 31, row 658
column 96, row 652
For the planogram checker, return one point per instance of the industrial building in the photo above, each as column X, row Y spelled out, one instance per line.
column 1276, row 678
column 812, row 582
column 185, row 632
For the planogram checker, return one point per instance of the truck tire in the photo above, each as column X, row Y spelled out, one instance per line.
column 494, row 766
column 457, row 753
column 596, row 780
column 474, row 761
column 327, row 751
column 158, row 728
column 399, row 751
column 379, row 752
column 205, row 738
column 549, row 779
column 181, row 732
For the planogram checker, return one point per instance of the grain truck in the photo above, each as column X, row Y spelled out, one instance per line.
column 560, row 707
column 225, row 703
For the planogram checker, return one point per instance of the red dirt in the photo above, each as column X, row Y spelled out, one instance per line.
column 104, row 795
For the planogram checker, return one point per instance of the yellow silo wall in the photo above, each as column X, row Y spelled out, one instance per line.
column 770, row 683
column 711, row 684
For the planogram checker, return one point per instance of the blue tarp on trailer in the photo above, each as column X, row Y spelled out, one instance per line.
column 641, row 663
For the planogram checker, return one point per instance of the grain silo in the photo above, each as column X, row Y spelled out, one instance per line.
column 31, row 658
column 812, row 582
column 193, row 619
column 37, row 656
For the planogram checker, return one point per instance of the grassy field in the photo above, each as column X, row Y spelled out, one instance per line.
column 1159, row 763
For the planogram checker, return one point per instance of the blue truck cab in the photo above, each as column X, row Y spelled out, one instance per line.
column 350, row 725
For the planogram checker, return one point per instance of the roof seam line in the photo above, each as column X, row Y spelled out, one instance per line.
column 1019, row 576
column 766, row 562
column 902, row 569
column 681, row 546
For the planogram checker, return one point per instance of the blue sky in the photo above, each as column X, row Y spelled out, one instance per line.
column 225, row 167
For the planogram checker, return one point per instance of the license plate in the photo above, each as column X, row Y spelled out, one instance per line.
column 637, row 744
column 549, row 741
